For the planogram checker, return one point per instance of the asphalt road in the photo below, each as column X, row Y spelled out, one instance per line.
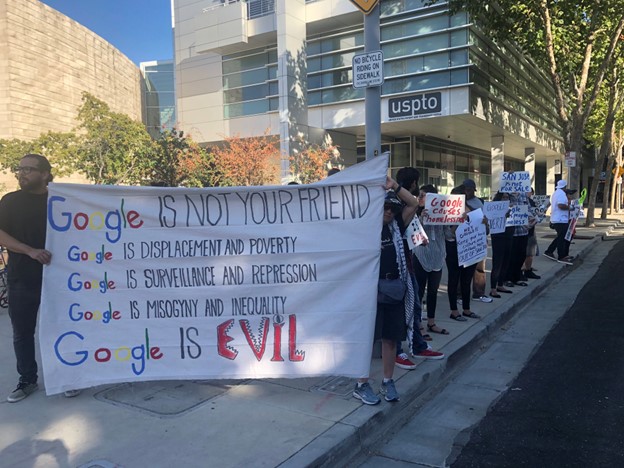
column 566, row 407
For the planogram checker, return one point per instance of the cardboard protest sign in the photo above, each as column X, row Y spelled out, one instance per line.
column 496, row 213
column 519, row 216
column 575, row 214
column 543, row 203
column 471, row 243
column 415, row 234
column 444, row 209
column 512, row 182
column 151, row 283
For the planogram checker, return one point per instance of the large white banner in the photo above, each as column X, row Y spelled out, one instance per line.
column 152, row 283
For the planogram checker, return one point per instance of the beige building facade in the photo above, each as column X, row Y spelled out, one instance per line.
column 46, row 61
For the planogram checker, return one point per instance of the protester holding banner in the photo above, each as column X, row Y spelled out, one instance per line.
column 429, row 260
column 458, row 275
column 559, row 219
column 501, row 253
column 23, row 232
column 407, row 178
column 395, row 301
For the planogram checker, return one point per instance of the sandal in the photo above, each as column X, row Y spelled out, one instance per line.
column 471, row 315
column 459, row 318
column 426, row 337
column 496, row 295
column 521, row 283
column 506, row 291
column 435, row 329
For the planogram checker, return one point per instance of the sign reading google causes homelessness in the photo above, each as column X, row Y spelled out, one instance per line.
column 152, row 283
column 444, row 209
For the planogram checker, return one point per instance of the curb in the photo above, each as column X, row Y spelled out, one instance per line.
column 357, row 433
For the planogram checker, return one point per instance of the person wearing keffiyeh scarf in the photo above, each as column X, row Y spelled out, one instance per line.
column 392, row 319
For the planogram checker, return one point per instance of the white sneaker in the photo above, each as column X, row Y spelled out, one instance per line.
column 71, row 393
column 485, row 299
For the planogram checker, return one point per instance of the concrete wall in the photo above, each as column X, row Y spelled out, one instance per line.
column 46, row 61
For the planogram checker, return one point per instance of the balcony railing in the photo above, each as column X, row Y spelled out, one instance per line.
column 255, row 8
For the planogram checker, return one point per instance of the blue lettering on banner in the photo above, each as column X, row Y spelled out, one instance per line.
column 414, row 106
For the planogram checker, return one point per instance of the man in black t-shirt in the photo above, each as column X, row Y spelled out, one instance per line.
column 23, row 232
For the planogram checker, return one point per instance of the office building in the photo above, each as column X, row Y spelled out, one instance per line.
column 159, row 96
column 46, row 61
column 454, row 103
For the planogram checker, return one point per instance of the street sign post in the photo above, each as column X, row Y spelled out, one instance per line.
column 365, row 6
column 570, row 159
column 368, row 69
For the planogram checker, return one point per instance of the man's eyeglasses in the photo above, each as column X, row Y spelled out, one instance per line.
column 26, row 169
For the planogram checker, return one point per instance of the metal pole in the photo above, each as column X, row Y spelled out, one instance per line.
column 372, row 105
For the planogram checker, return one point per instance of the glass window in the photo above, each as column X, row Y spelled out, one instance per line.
column 314, row 64
column 415, row 46
column 400, row 155
column 459, row 19
column 313, row 47
column 459, row 57
column 436, row 61
column 413, row 28
column 315, row 98
column 245, row 94
column 349, row 41
column 245, row 108
column 431, row 158
column 459, row 38
column 337, row 60
column 341, row 94
column 245, row 78
column 314, row 81
column 337, row 78
column 459, row 76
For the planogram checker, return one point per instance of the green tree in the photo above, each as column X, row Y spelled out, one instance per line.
column 113, row 148
column 573, row 40
column 313, row 161
column 60, row 149
column 179, row 161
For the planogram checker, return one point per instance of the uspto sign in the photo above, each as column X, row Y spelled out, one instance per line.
column 368, row 69
column 415, row 106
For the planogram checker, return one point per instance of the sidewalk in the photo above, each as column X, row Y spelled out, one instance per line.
column 275, row 422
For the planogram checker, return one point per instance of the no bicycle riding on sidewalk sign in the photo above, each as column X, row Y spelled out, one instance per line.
column 158, row 283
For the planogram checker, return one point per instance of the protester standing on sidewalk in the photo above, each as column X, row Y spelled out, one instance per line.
column 478, row 279
column 518, row 244
column 23, row 221
column 559, row 220
column 501, row 253
column 428, row 262
column 532, row 247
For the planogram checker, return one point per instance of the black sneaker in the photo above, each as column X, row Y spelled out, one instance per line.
column 531, row 275
column 22, row 391
column 550, row 255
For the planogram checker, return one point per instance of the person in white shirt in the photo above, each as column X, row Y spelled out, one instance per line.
column 559, row 220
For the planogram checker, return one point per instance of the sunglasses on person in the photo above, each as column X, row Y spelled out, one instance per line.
column 26, row 169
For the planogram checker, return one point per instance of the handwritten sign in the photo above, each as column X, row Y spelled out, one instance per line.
column 512, row 182
column 471, row 243
column 415, row 234
column 444, row 209
column 519, row 216
column 575, row 213
column 543, row 203
column 153, row 283
column 496, row 213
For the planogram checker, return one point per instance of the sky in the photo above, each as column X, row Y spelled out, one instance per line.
column 140, row 29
